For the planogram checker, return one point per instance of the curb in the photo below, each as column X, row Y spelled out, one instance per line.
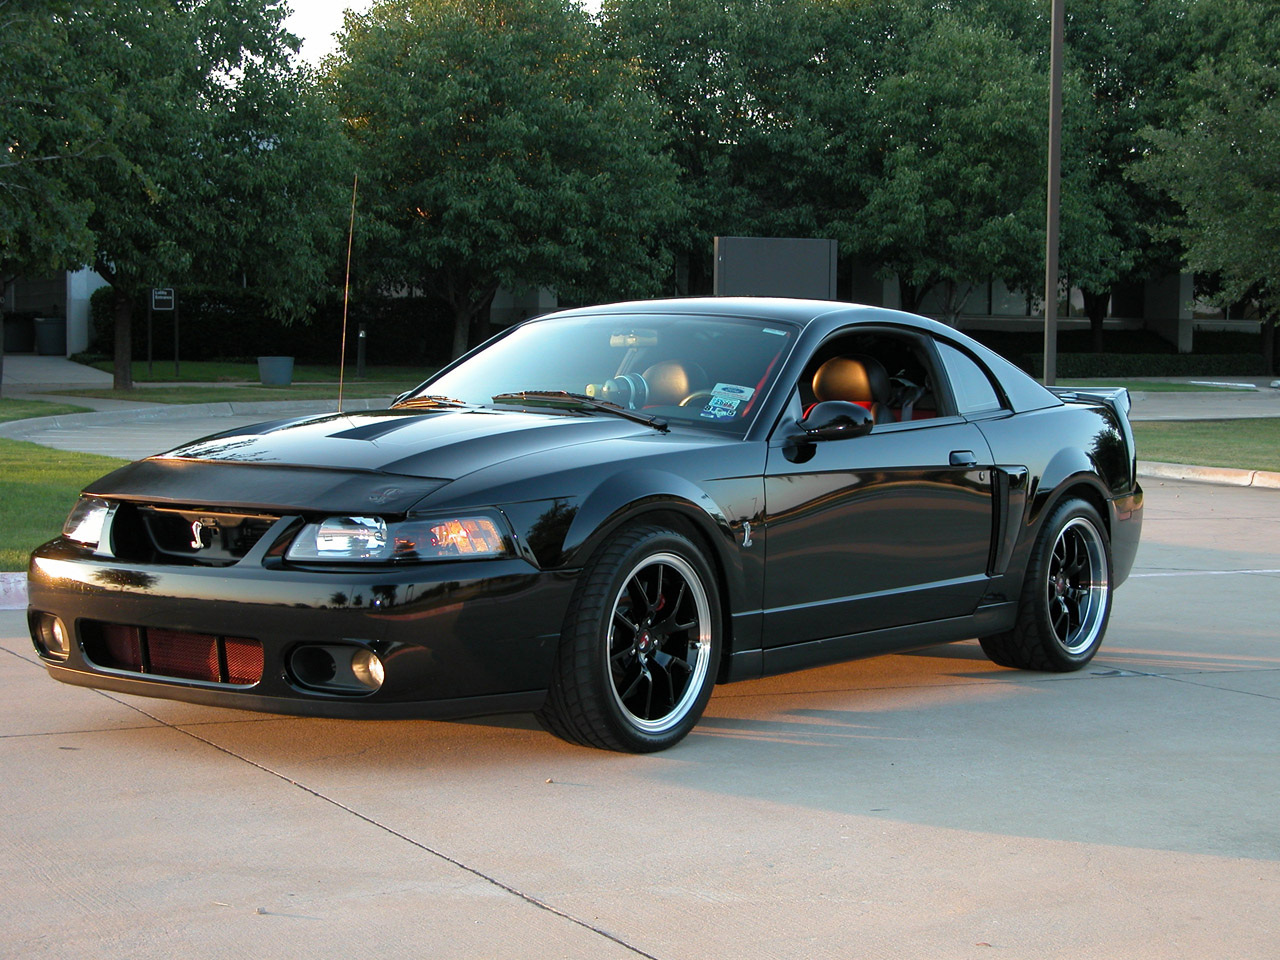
column 13, row 591
column 1226, row 476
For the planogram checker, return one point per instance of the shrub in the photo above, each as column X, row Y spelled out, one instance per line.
column 231, row 324
column 1084, row 366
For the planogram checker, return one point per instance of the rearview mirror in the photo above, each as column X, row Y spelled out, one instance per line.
column 836, row 420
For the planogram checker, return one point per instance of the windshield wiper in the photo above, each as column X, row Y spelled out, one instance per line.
column 430, row 400
column 563, row 400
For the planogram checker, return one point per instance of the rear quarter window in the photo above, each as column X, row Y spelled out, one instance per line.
column 973, row 389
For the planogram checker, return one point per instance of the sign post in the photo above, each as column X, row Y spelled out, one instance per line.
column 163, row 298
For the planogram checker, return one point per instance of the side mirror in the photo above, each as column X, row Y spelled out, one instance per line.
column 835, row 420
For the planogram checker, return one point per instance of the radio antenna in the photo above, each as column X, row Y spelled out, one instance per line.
column 346, row 291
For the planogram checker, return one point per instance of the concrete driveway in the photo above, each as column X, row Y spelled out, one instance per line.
column 923, row 806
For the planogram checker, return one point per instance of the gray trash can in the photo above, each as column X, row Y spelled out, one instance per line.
column 51, row 336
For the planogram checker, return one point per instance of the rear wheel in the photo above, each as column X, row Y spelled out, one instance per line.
column 636, row 661
column 1066, row 595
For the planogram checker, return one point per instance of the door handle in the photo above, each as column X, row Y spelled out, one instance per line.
column 963, row 458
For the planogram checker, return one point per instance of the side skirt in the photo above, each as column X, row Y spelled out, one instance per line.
column 990, row 619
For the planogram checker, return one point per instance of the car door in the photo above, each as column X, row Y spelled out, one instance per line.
column 877, row 531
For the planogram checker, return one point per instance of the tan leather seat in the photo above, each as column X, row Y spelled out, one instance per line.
column 858, row 379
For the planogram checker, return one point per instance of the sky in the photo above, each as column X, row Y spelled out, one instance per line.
column 315, row 21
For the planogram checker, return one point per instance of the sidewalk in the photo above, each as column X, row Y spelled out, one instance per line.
column 27, row 372
column 1208, row 405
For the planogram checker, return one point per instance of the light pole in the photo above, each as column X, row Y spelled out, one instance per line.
column 1055, row 177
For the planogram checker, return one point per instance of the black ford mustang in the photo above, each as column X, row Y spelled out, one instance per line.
column 600, row 514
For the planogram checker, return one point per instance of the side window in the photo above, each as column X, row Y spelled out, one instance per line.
column 973, row 390
column 886, row 371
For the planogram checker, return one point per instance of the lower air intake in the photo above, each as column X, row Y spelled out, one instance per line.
column 173, row 653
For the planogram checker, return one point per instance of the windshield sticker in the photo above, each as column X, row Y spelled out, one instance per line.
column 720, row 408
column 731, row 391
column 776, row 333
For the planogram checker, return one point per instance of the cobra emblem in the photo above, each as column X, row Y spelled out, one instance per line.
column 196, row 542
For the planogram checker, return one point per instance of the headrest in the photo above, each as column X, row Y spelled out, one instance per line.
column 671, row 381
column 858, row 379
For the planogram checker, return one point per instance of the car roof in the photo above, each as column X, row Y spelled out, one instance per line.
column 797, row 311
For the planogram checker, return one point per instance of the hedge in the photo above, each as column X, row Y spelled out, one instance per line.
column 220, row 324
column 1084, row 366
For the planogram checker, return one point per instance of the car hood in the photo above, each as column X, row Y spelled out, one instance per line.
column 387, row 460
column 444, row 445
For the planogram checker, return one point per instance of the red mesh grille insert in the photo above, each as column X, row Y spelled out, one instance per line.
column 173, row 653
column 192, row 656
column 244, row 660
column 118, row 648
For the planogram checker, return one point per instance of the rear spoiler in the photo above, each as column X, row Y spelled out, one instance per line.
column 1117, row 398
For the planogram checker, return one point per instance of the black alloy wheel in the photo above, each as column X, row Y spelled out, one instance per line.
column 640, row 646
column 1066, row 595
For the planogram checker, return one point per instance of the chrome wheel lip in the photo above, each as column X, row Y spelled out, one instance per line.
column 701, row 641
column 1078, row 586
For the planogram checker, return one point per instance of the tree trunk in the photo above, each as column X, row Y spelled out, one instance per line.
column 955, row 302
column 1095, row 307
column 465, row 313
column 910, row 295
column 122, row 311
column 1269, row 344
column 461, row 331
column 701, row 283
column 4, row 289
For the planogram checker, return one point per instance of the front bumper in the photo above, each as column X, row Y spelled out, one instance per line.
column 456, row 638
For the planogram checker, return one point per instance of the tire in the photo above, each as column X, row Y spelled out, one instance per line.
column 1066, row 595
column 640, row 645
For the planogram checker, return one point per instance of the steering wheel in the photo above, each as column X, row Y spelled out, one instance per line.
column 697, row 394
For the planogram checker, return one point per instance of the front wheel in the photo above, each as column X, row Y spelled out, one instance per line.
column 637, row 656
column 1066, row 595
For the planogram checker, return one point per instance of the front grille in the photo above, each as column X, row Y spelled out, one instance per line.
column 173, row 653
column 186, row 535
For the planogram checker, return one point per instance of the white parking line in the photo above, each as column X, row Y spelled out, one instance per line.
column 1197, row 573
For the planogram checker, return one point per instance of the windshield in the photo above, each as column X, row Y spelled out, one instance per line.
column 708, row 371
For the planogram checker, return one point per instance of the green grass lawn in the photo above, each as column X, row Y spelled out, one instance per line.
column 38, row 487
column 355, row 391
column 216, row 371
column 1248, row 444
column 25, row 409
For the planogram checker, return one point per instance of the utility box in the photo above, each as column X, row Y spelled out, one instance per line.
column 775, row 267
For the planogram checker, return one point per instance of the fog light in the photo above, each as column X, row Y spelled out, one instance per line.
column 313, row 666
column 52, row 638
column 368, row 668
column 342, row 668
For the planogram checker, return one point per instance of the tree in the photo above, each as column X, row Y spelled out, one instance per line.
column 729, row 75
column 1219, row 163
column 945, row 168
column 1133, row 56
column 911, row 132
column 500, row 145
column 52, row 121
column 166, row 141
column 229, row 168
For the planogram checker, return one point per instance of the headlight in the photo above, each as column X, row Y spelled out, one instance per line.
column 372, row 538
column 86, row 521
